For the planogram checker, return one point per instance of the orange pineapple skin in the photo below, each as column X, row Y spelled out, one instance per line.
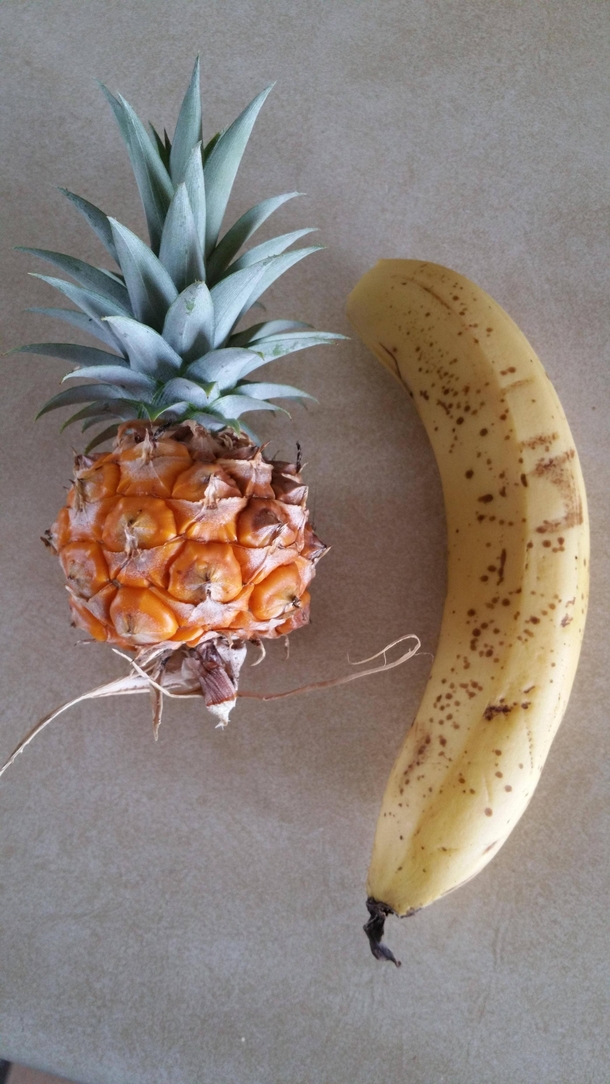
column 179, row 534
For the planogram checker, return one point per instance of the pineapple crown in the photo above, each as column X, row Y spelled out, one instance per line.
column 169, row 316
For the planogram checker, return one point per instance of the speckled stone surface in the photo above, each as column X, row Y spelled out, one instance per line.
column 191, row 911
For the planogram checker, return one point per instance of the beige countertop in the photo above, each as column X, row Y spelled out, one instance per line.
column 191, row 911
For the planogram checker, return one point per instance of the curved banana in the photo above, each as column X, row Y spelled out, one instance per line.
column 518, row 548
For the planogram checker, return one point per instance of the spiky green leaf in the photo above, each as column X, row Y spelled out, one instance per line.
column 153, row 180
column 93, row 304
column 100, row 438
column 151, row 289
column 233, row 406
column 125, row 409
column 172, row 412
column 99, row 411
column 273, row 268
column 267, row 249
column 79, row 320
column 186, row 391
column 92, row 278
column 180, row 253
column 231, row 298
column 213, row 421
column 223, row 367
column 117, row 375
column 195, row 186
column 148, row 352
column 222, row 164
column 209, row 146
column 114, row 275
column 96, row 219
column 189, row 323
column 240, row 232
column 252, row 334
column 276, row 346
column 188, row 128
column 90, row 422
column 163, row 146
column 271, row 391
column 73, row 352
column 84, row 393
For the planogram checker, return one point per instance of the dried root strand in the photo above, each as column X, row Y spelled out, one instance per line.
column 179, row 674
column 120, row 687
column 261, row 647
column 347, row 677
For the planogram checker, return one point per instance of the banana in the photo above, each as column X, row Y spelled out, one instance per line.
column 518, row 551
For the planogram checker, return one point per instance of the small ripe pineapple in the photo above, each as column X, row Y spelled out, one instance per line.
column 184, row 541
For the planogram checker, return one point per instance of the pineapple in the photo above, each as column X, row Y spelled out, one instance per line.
column 184, row 541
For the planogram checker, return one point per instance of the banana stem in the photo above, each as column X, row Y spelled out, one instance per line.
column 374, row 930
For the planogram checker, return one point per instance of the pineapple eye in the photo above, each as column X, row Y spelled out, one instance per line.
column 97, row 482
column 138, row 523
column 83, row 619
column 84, row 567
column 262, row 523
column 205, row 570
column 277, row 594
column 191, row 484
column 150, row 470
column 140, row 617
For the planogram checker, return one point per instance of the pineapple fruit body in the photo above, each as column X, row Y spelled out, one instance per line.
column 179, row 535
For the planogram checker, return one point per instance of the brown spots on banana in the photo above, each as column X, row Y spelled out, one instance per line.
column 497, row 709
column 518, row 384
column 501, row 567
column 542, row 440
column 557, row 471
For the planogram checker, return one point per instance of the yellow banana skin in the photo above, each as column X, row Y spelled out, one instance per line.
column 518, row 552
